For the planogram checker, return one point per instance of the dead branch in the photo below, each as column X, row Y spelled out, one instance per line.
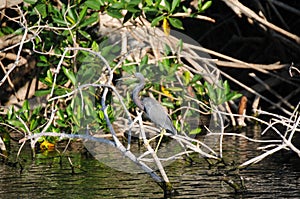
column 240, row 9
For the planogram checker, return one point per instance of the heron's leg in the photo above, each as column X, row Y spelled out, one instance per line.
column 154, row 137
column 163, row 131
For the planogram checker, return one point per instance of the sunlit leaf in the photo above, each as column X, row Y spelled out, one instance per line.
column 149, row 2
column 95, row 46
column 186, row 77
column 195, row 131
column 206, row 5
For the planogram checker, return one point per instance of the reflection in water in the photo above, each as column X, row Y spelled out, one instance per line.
column 274, row 177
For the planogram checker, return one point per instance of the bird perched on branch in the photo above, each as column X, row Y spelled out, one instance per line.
column 152, row 108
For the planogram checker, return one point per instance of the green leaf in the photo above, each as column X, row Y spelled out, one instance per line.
column 106, row 50
column 186, row 76
column 59, row 21
column 195, row 131
column 92, row 19
column 101, row 114
column 85, row 34
column 233, row 96
column 43, row 58
column 40, row 93
column 211, row 92
column 16, row 123
column 132, row 9
column 30, row 1
column 118, row 5
column 62, row 123
column 25, row 109
column 167, row 49
column 149, row 2
column 144, row 60
column 19, row 31
column 226, row 87
column 175, row 3
column 37, row 110
column 70, row 111
column 167, row 5
column 134, row 2
column 206, row 5
column 10, row 112
column 60, row 114
column 70, row 20
column 114, row 13
column 83, row 13
column 72, row 15
column 95, row 46
column 49, row 77
column 33, row 124
column 157, row 3
column 94, row 4
column 168, row 104
column 180, row 45
column 41, row 8
column 196, row 78
column 176, row 23
column 175, row 89
column 70, row 75
column 157, row 20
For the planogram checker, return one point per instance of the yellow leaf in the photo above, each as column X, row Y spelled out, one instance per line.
column 45, row 145
column 166, row 27
column 166, row 92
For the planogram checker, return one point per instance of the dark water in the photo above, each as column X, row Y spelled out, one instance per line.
column 274, row 177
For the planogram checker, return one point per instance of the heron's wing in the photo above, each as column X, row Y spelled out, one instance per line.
column 156, row 113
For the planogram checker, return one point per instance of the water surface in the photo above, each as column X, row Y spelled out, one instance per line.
column 275, row 177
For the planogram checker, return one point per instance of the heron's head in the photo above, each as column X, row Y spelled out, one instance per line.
column 140, row 76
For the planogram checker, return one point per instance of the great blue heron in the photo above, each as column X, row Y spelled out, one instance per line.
column 152, row 108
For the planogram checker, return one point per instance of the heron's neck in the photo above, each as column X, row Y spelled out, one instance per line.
column 136, row 98
column 139, row 104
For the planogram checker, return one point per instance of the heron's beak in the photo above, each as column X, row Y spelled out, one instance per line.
column 128, row 79
column 125, row 78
